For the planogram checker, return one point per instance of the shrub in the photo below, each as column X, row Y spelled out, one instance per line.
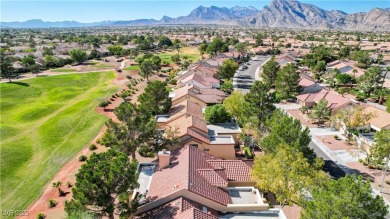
column 150, row 154
column 41, row 216
column 364, row 163
column 360, row 160
column 143, row 151
column 68, row 184
column 52, row 203
column 370, row 166
column 247, row 152
column 336, row 137
column 129, row 77
column 216, row 114
column 82, row 158
column 360, row 98
column 104, row 103
column 92, row 147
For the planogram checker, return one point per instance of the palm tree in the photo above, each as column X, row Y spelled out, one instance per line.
column 58, row 185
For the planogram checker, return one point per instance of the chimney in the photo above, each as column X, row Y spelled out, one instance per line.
column 163, row 158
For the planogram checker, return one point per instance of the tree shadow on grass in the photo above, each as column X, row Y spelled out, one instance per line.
column 20, row 83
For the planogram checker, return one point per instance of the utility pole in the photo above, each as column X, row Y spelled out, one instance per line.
column 384, row 173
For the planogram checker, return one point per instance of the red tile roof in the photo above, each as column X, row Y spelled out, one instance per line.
column 198, row 172
column 186, row 107
column 206, row 81
column 180, row 208
column 334, row 99
column 207, row 95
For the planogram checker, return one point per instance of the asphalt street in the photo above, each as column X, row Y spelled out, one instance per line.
column 243, row 80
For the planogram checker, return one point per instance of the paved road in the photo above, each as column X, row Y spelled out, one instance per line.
column 243, row 80
column 330, row 167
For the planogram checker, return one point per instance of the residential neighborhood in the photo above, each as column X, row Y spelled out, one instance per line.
column 204, row 120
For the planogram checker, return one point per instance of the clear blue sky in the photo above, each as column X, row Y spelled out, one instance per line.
column 99, row 10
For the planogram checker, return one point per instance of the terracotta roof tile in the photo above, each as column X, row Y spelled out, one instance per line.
column 198, row 172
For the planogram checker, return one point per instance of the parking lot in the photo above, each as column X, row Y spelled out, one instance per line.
column 243, row 79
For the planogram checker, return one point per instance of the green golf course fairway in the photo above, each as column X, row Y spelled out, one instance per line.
column 44, row 122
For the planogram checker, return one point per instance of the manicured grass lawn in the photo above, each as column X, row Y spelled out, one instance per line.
column 133, row 67
column 192, row 53
column 44, row 122
column 64, row 70
column 102, row 66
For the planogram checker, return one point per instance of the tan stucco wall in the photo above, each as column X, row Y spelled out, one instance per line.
column 222, row 151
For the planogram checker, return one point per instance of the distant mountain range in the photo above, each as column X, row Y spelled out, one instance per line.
column 279, row 13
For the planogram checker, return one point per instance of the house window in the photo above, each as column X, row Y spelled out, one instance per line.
column 206, row 149
column 194, row 145
column 204, row 209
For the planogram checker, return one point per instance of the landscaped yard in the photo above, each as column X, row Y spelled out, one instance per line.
column 44, row 122
column 63, row 70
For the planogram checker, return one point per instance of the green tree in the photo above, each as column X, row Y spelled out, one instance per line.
column 177, row 45
column 287, row 81
column 155, row 98
column 175, row 58
column 347, row 197
column 7, row 70
column 371, row 80
column 351, row 117
column 227, row 86
column 227, row 70
column 344, row 52
column 57, row 185
column 146, row 69
column 344, row 78
column 381, row 149
column 241, row 48
column 203, row 48
column 217, row 46
column 100, row 180
column 287, row 130
column 156, row 62
column 50, row 61
column 260, row 103
column 237, row 107
column 259, row 39
column 362, row 57
column 78, row 55
column 270, row 71
column 115, row 50
column 320, row 112
column 217, row 114
column 164, row 41
column 135, row 128
column 319, row 69
column 287, row 174
column 28, row 60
